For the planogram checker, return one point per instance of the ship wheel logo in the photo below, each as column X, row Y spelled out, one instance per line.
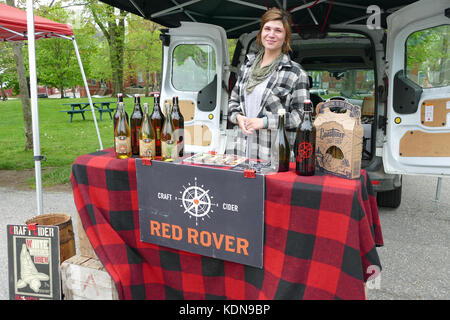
column 197, row 202
column 305, row 151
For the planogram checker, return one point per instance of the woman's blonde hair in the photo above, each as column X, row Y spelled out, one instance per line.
column 277, row 14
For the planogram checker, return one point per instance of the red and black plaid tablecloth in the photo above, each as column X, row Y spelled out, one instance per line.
column 320, row 239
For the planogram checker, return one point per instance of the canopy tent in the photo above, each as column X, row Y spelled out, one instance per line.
column 18, row 25
column 240, row 16
column 13, row 25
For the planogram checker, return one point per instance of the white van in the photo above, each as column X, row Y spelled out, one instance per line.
column 399, row 76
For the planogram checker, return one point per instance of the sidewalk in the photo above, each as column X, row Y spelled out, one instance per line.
column 17, row 206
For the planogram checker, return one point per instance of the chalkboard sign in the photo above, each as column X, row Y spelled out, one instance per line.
column 208, row 211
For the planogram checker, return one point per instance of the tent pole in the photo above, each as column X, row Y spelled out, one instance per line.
column 87, row 91
column 34, row 104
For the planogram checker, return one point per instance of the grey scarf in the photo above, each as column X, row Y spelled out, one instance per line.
column 257, row 74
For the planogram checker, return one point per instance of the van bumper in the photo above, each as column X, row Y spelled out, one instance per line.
column 382, row 181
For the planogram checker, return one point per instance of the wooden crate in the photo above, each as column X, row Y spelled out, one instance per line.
column 84, row 245
column 85, row 278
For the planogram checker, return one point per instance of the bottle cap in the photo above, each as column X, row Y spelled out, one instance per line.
column 308, row 105
column 281, row 112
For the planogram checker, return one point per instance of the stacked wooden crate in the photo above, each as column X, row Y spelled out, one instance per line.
column 83, row 276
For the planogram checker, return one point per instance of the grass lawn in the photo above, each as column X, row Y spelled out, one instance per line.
column 61, row 141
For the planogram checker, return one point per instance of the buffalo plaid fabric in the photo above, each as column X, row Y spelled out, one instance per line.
column 321, row 235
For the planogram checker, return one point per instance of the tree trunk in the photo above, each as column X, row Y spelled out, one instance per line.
column 24, row 91
column 24, row 95
column 114, row 32
column 3, row 95
column 116, row 48
column 147, row 82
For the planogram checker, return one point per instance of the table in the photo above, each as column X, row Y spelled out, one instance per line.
column 81, row 107
column 321, row 235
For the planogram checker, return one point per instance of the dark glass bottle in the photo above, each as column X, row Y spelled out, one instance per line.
column 284, row 151
column 305, row 144
column 157, row 119
column 136, row 122
column 178, row 123
column 168, row 143
column 122, row 135
column 147, row 137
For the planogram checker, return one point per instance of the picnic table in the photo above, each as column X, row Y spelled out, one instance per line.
column 82, row 107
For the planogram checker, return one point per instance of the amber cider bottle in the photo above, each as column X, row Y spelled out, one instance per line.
column 305, row 144
column 122, row 135
column 168, row 143
column 147, row 137
column 116, row 114
column 157, row 120
column 136, row 122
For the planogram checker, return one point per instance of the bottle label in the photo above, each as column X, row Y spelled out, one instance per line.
column 305, row 151
column 123, row 144
column 147, row 148
column 168, row 149
column 158, row 133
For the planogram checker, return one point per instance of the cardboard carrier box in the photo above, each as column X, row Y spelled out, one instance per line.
column 339, row 136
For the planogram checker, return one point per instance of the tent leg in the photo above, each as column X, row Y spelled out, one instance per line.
column 34, row 104
column 87, row 91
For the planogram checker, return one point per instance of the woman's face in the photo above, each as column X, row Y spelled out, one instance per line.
column 273, row 35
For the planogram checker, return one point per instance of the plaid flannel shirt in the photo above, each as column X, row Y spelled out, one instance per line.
column 287, row 88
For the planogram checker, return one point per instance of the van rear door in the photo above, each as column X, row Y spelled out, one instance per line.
column 418, row 114
column 195, row 68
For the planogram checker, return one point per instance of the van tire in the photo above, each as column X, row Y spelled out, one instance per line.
column 390, row 199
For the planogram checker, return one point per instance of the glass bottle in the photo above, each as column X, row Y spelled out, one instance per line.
column 178, row 123
column 122, row 135
column 147, row 137
column 116, row 114
column 284, row 151
column 157, row 119
column 168, row 143
column 136, row 122
column 305, row 143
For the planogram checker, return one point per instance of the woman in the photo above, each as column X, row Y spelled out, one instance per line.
column 268, row 81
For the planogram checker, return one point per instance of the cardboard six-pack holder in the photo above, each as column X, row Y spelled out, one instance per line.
column 339, row 137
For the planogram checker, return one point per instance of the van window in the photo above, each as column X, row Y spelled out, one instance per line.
column 353, row 84
column 193, row 66
column 427, row 53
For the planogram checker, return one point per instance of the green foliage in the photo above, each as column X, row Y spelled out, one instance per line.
column 56, row 61
column 198, row 53
column 428, row 50
column 142, row 47
column 61, row 141
column 8, row 74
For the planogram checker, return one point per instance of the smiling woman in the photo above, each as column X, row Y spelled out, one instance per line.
column 268, row 82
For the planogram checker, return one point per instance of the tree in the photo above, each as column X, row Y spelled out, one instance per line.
column 24, row 91
column 143, row 48
column 427, row 51
column 8, row 74
column 55, row 58
column 112, row 25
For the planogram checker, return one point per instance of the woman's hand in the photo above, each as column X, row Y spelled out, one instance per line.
column 254, row 124
column 249, row 125
column 242, row 122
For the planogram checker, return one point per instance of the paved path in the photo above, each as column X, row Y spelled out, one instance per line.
column 415, row 257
